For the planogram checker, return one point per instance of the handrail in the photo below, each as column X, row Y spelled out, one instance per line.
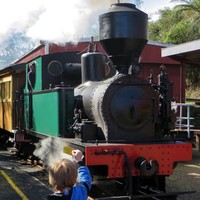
column 179, row 122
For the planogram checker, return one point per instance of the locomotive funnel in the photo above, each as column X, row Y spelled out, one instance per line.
column 123, row 34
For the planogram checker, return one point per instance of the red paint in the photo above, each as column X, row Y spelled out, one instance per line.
column 152, row 54
column 165, row 154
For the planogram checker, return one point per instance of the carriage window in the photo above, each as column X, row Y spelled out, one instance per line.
column 3, row 93
column 5, row 90
column 8, row 89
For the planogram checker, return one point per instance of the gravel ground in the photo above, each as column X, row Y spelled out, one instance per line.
column 186, row 177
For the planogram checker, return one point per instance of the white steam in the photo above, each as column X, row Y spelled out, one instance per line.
column 59, row 21
column 54, row 21
column 50, row 150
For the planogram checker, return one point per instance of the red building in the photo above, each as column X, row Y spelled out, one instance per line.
column 151, row 60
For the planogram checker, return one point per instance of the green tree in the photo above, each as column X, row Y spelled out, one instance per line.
column 160, row 29
column 183, row 31
column 188, row 5
column 177, row 25
column 188, row 28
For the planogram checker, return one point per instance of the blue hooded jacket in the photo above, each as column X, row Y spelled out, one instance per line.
column 79, row 191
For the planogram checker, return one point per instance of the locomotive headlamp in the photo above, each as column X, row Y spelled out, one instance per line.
column 135, row 69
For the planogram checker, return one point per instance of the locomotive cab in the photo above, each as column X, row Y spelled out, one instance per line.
column 49, row 98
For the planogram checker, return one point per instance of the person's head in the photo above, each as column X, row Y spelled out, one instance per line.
column 32, row 66
column 63, row 173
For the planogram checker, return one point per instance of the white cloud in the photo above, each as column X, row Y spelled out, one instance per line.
column 52, row 20
column 152, row 7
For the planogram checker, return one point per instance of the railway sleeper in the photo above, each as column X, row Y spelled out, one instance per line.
column 148, row 195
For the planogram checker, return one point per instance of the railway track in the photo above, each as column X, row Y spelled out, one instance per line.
column 142, row 193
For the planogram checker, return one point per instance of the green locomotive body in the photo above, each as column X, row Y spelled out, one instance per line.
column 49, row 104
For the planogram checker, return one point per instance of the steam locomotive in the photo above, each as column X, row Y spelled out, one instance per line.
column 102, row 106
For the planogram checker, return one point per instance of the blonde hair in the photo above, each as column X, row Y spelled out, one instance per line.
column 63, row 173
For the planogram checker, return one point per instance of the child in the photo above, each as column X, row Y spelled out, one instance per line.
column 63, row 177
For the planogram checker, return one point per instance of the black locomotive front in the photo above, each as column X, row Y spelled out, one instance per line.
column 124, row 107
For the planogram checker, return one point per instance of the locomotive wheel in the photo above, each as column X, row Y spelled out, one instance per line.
column 25, row 149
column 162, row 183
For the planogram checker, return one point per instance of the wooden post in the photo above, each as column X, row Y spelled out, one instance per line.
column 197, row 141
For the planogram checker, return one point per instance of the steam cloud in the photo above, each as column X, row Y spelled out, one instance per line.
column 59, row 21
column 55, row 21
column 50, row 150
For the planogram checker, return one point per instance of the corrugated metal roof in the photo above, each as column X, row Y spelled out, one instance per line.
column 12, row 68
column 188, row 52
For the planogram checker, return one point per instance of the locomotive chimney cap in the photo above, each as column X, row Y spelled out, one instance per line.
column 124, row 6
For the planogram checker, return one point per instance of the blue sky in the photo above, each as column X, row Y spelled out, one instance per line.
column 152, row 6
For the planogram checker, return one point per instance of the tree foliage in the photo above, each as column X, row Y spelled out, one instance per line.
column 193, row 74
column 178, row 25
column 188, row 5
